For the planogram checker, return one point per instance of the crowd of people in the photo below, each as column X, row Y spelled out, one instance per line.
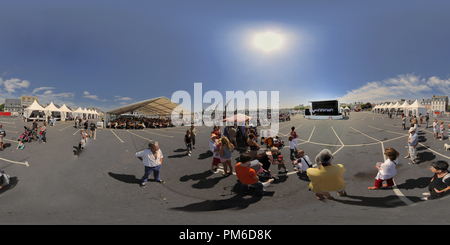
column 253, row 167
column 132, row 122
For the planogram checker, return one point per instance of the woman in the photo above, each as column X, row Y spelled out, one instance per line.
column 326, row 177
column 442, row 129
column 226, row 148
column 386, row 170
column 440, row 183
column 188, row 141
column 295, row 138
column 254, row 147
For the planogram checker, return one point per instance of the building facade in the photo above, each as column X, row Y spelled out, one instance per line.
column 439, row 103
column 14, row 106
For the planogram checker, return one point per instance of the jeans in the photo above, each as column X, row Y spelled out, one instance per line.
column 148, row 170
column 189, row 147
column 259, row 187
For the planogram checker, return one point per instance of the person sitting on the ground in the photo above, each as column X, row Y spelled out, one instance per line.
column 247, row 175
column 440, row 183
column 326, row 177
column 303, row 162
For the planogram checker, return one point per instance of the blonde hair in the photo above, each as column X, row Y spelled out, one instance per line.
column 226, row 143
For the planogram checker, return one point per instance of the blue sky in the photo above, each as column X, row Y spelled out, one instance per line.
column 111, row 53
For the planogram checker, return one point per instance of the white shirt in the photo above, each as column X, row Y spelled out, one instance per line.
column 291, row 145
column 148, row 159
column 212, row 147
column 387, row 169
column 300, row 163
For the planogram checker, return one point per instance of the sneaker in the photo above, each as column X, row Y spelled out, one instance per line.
column 426, row 194
column 161, row 181
column 143, row 185
column 424, row 198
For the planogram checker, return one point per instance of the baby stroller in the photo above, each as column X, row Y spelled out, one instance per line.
column 25, row 135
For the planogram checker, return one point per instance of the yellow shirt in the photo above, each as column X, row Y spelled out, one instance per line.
column 325, row 179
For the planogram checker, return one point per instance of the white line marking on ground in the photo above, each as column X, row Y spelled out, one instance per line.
column 11, row 161
column 138, row 135
column 158, row 134
column 66, row 127
column 339, row 141
column 395, row 188
column 121, row 141
column 311, row 133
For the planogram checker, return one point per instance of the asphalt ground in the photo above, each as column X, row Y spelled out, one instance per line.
column 52, row 183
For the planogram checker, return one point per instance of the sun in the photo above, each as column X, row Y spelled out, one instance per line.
column 268, row 41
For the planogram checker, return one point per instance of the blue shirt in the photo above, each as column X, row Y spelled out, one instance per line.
column 413, row 139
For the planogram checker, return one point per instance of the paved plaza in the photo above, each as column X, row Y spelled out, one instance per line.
column 52, row 183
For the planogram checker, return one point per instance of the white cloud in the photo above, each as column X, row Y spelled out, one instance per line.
column 41, row 88
column 407, row 86
column 86, row 94
column 14, row 83
column 118, row 97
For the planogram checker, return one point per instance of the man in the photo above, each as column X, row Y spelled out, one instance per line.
column 435, row 129
column 247, row 175
column 413, row 140
column 303, row 162
column 326, row 177
column 34, row 128
column 152, row 159
column 427, row 118
column 232, row 135
column 2, row 134
column 193, row 134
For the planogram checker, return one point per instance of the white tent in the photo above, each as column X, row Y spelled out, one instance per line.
column 392, row 106
column 50, row 109
column 416, row 109
column 78, row 112
column 64, row 110
column 403, row 107
column 34, row 111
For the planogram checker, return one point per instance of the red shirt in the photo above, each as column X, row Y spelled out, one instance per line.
column 245, row 174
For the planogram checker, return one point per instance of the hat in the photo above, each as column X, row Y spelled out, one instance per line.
column 213, row 136
column 280, row 157
column 412, row 129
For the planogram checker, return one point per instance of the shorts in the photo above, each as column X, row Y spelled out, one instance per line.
column 216, row 161
column 222, row 160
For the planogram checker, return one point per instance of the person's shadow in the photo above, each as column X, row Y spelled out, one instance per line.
column 126, row 178
column 239, row 200
column 13, row 181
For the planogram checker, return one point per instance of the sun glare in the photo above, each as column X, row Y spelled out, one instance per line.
column 268, row 41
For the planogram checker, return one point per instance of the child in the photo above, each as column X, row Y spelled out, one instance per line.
column 386, row 170
column 20, row 145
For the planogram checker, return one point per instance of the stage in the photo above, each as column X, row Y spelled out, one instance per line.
column 324, row 117
column 324, row 110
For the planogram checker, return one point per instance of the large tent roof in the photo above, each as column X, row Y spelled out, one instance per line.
column 35, row 107
column 51, row 107
column 160, row 106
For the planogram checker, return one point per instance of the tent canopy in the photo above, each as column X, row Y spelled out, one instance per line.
column 237, row 118
column 160, row 106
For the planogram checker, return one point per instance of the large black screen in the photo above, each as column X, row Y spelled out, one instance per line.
column 326, row 107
